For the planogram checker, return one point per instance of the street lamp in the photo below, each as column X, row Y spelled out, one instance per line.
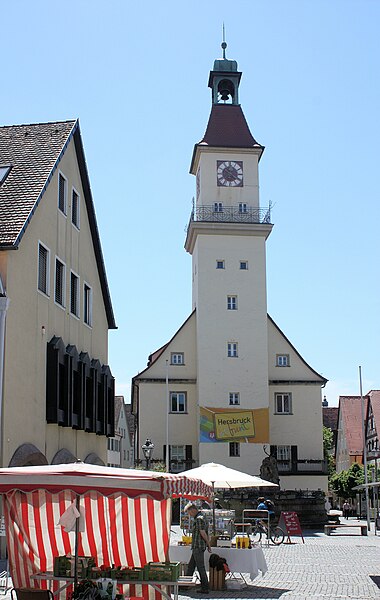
column 147, row 449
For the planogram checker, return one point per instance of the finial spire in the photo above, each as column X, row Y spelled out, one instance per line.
column 224, row 43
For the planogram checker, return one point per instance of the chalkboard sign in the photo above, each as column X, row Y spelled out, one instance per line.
column 290, row 523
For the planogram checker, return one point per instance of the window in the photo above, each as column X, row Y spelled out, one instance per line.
column 178, row 402
column 178, row 453
column 62, row 193
column 234, row 449
column 234, row 398
column 282, row 360
column 243, row 265
column 75, row 208
column 218, row 207
column 283, row 403
column 232, row 302
column 284, row 457
column 43, row 269
column 177, row 358
column 4, row 172
column 87, row 304
column 232, row 349
column 60, row 282
column 220, row 264
column 74, row 294
column 242, row 207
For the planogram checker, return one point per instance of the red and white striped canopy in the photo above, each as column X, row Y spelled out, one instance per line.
column 82, row 477
column 127, row 514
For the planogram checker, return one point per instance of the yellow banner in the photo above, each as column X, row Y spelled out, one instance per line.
column 229, row 426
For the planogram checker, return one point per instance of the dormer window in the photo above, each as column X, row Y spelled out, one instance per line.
column 4, row 172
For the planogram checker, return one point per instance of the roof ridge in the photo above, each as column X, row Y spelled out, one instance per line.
column 37, row 124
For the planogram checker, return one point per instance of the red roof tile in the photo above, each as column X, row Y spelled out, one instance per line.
column 330, row 417
column 351, row 414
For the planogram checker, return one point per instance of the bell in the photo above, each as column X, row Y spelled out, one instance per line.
column 224, row 94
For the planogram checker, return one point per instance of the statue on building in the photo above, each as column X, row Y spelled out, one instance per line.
column 269, row 468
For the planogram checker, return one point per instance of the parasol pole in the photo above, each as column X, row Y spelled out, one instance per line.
column 213, row 508
column 77, row 504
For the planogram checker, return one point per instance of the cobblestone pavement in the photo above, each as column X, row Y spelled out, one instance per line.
column 335, row 567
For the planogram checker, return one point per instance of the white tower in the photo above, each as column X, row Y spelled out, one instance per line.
column 226, row 238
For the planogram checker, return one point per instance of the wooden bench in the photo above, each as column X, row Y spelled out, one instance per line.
column 332, row 526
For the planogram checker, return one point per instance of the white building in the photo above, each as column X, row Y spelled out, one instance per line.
column 120, row 447
column 235, row 386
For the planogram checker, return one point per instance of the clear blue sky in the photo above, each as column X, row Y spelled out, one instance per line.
column 135, row 73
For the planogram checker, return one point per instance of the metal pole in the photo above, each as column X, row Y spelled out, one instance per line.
column 364, row 452
column 167, row 461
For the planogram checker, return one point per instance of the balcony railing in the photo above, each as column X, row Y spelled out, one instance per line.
column 302, row 467
column 231, row 214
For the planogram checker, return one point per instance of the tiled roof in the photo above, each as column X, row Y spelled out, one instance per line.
column 227, row 127
column 119, row 400
column 351, row 414
column 330, row 417
column 130, row 419
column 32, row 151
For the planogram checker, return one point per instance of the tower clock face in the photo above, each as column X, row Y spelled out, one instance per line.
column 229, row 173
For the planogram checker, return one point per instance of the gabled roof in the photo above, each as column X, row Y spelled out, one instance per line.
column 119, row 401
column 350, row 412
column 227, row 128
column 323, row 379
column 34, row 152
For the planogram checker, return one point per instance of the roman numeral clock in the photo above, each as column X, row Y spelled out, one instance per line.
column 229, row 173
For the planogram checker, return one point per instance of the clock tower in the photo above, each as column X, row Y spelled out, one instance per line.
column 226, row 238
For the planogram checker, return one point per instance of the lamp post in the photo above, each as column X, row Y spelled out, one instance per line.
column 147, row 449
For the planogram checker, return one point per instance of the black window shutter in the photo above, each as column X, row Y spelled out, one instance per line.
column 294, row 455
column 273, row 451
column 189, row 452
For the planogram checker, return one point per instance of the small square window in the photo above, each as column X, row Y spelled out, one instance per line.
column 75, row 206
column 232, row 349
column 234, row 449
column 243, row 207
column 220, row 264
column 231, row 302
column 234, row 398
column 218, row 207
column 244, row 265
column 178, row 402
column 62, row 193
column 283, row 404
column 282, row 360
column 177, row 358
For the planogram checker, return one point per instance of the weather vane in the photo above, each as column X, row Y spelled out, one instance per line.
column 224, row 43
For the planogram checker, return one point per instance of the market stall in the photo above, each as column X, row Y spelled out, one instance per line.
column 124, row 515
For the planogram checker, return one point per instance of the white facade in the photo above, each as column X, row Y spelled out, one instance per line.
column 244, row 388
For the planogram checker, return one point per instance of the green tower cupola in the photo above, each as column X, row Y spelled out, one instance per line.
column 224, row 80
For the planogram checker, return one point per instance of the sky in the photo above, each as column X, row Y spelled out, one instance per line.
column 136, row 74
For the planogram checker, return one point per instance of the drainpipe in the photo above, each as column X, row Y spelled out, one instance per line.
column 4, row 303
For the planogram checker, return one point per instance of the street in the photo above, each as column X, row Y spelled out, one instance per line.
column 336, row 567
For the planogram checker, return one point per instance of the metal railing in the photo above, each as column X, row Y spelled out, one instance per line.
column 230, row 214
column 302, row 466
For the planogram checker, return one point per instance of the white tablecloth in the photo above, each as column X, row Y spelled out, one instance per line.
column 239, row 561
